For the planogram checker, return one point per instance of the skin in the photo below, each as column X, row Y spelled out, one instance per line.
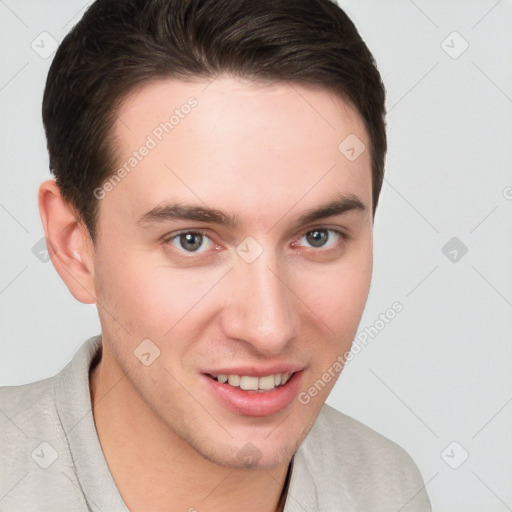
column 266, row 153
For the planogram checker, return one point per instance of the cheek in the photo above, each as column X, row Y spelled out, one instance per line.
column 337, row 303
column 133, row 292
column 148, row 296
column 338, row 308
column 337, row 295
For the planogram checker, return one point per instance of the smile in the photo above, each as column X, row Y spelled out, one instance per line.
column 254, row 395
column 251, row 383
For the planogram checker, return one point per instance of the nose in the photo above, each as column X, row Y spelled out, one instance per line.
column 261, row 308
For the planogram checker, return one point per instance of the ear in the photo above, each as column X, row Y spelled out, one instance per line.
column 69, row 244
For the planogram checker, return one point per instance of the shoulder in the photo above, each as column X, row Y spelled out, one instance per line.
column 35, row 459
column 374, row 472
column 349, row 436
column 28, row 407
column 10, row 394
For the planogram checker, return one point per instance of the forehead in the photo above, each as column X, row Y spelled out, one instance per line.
column 235, row 101
column 230, row 142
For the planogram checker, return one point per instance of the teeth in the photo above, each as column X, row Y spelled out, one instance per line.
column 234, row 380
column 266, row 382
column 249, row 383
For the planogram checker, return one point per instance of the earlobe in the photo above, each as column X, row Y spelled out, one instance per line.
column 69, row 244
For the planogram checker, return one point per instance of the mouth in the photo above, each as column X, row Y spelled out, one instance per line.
column 251, row 395
column 252, row 383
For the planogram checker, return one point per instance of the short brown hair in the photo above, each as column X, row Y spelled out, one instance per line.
column 120, row 45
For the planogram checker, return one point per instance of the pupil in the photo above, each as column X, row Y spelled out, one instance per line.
column 317, row 238
column 188, row 238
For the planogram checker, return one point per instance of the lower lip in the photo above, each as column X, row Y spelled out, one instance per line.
column 254, row 403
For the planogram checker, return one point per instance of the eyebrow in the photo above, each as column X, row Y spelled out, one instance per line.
column 176, row 211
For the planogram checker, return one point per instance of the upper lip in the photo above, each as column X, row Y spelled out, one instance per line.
column 254, row 371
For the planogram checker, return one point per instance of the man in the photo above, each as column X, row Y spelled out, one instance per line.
column 218, row 166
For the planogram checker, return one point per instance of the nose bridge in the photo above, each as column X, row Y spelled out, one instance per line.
column 262, row 309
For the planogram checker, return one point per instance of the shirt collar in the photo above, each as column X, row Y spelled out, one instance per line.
column 73, row 402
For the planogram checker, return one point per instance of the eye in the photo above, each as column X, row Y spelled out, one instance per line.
column 190, row 241
column 323, row 238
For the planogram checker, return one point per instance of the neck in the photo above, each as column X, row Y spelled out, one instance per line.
column 153, row 467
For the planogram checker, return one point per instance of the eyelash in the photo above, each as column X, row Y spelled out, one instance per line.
column 344, row 237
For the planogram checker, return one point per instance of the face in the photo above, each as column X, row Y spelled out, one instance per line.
column 210, row 264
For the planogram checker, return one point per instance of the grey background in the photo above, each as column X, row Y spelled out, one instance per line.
column 439, row 372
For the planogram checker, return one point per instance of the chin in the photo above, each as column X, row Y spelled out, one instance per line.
column 248, row 455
